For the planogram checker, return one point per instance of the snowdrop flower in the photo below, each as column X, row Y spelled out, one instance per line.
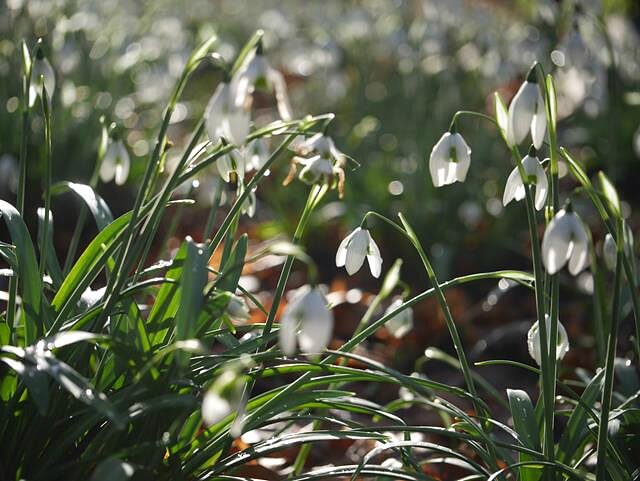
column 353, row 250
column 9, row 175
column 565, row 239
column 223, row 119
column 115, row 163
column 223, row 397
column 42, row 76
column 258, row 73
column 400, row 324
column 256, row 154
column 307, row 307
column 234, row 161
column 533, row 340
column 527, row 113
column 514, row 189
column 450, row 159
column 609, row 252
column 319, row 144
column 90, row 297
column 237, row 308
column 215, row 408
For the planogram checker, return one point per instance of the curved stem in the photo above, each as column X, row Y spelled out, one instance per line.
column 471, row 113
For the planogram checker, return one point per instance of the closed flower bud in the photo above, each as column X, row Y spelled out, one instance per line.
column 42, row 76
column 533, row 340
column 355, row 248
column 565, row 239
column 609, row 252
column 535, row 175
column 450, row 160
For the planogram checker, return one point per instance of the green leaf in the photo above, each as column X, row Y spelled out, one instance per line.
column 194, row 278
column 232, row 269
column 524, row 422
column 96, row 204
column 51, row 259
column 35, row 380
column 246, row 50
column 29, row 277
column 112, row 469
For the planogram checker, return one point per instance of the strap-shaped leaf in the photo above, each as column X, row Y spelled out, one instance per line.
column 96, row 204
column 524, row 422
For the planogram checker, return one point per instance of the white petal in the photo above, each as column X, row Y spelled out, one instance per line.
column 214, row 113
column 539, row 122
column 123, row 164
column 533, row 340
column 542, row 186
column 512, row 187
column 357, row 251
column 223, row 164
column 108, row 165
column 215, row 408
column 579, row 259
column 521, row 111
column 287, row 331
column 438, row 161
column 341, row 255
column 374, row 258
column 400, row 324
column 280, row 89
column 556, row 243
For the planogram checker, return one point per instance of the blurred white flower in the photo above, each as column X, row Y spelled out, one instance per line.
column 400, row 324
column 565, row 239
column 609, row 252
column 42, row 75
column 450, row 160
column 249, row 204
column 256, row 153
column 9, row 174
column 308, row 309
column 215, row 408
column 257, row 73
column 318, row 144
column 514, row 189
column 234, row 161
column 533, row 340
column 223, row 119
column 353, row 250
column 115, row 163
column 237, row 308
column 527, row 113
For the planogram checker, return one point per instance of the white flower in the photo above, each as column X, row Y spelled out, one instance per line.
column 223, row 119
column 90, row 298
column 353, row 250
column 565, row 239
column 318, row 144
column 514, row 189
column 314, row 169
column 215, row 408
column 9, row 174
column 42, row 75
column 308, row 308
column 249, row 204
column 527, row 113
column 256, row 154
column 450, row 159
column 237, row 308
column 400, row 324
column 258, row 73
column 115, row 163
column 234, row 161
column 533, row 340
column 609, row 252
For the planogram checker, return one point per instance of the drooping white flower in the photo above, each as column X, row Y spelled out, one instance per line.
column 115, row 163
column 256, row 154
column 215, row 408
column 9, row 174
column 353, row 250
column 234, row 161
column 318, row 144
column 514, row 189
column 257, row 73
column 237, row 308
column 533, row 340
column 565, row 239
column 223, row 119
column 400, row 324
column 527, row 114
column 609, row 252
column 314, row 169
column 450, row 160
column 307, row 311
column 42, row 75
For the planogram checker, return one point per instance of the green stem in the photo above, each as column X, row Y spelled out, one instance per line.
column 471, row 113
column 603, row 426
column 48, row 175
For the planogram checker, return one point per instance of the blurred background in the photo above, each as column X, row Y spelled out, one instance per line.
column 394, row 72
